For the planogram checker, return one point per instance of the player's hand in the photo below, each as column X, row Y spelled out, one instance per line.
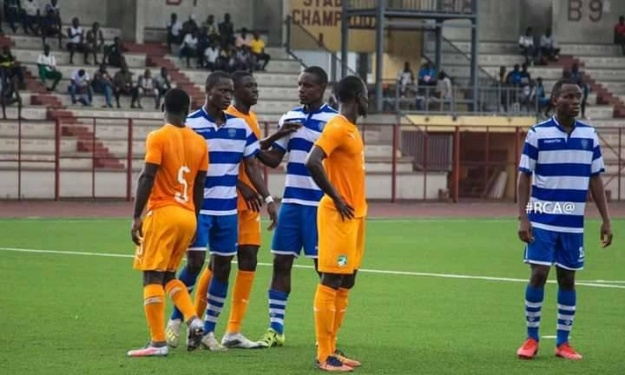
column 346, row 211
column 136, row 231
column 606, row 234
column 288, row 128
column 525, row 231
column 273, row 215
column 252, row 199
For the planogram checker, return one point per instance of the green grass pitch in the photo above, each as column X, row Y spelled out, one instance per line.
column 448, row 299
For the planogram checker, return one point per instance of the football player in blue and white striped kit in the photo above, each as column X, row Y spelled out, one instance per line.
column 297, row 219
column 561, row 161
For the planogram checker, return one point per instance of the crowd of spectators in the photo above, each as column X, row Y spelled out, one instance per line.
column 431, row 89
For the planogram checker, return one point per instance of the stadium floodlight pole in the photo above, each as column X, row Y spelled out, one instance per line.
column 345, row 17
column 474, row 55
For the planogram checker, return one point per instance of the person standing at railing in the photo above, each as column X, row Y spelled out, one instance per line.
column 46, row 63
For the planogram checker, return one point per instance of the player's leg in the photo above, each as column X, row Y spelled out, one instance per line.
column 177, row 291
column 540, row 255
column 196, row 256
column 569, row 259
column 285, row 246
column 201, row 289
column 247, row 259
column 309, row 233
column 336, row 255
column 223, row 237
column 342, row 295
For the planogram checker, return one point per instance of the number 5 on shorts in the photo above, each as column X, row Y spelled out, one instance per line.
column 184, row 196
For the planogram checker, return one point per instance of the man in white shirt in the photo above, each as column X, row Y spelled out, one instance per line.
column 46, row 62
column 526, row 43
column 76, row 36
column 80, row 88
column 211, row 54
column 189, row 47
column 174, row 28
column 548, row 50
column 243, row 39
column 30, row 20
column 145, row 85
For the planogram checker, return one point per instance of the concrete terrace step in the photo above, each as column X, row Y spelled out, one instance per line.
column 601, row 50
column 40, row 146
column 612, row 75
column 44, row 162
column 602, row 62
column 28, row 112
column 274, row 66
column 28, row 129
column 262, row 78
column 62, row 58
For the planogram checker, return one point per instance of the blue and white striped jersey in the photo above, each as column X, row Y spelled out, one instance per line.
column 561, row 165
column 227, row 146
column 299, row 186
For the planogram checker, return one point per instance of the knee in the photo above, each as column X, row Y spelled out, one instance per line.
column 348, row 281
column 195, row 261
column 566, row 279
column 331, row 280
column 221, row 267
column 247, row 258
column 282, row 265
column 539, row 276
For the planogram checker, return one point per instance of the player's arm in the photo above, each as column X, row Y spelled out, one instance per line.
column 598, row 192
column 144, row 189
column 252, row 170
column 200, row 179
column 330, row 139
column 283, row 131
column 527, row 165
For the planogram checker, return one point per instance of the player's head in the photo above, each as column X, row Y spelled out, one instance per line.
column 177, row 103
column 566, row 97
column 219, row 89
column 352, row 93
column 312, row 85
column 245, row 88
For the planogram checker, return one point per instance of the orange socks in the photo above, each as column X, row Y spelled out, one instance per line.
column 201, row 291
column 178, row 293
column 342, row 296
column 154, row 305
column 325, row 311
column 240, row 298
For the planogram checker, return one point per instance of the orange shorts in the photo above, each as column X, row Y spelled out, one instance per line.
column 341, row 243
column 249, row 228
column 167, row 233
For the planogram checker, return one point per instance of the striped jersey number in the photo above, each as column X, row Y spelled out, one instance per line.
column 183, row 197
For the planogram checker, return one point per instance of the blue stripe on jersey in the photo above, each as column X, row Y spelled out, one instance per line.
column 299, row 186
column 228, row 144
column 562, row 165
column 227, row 180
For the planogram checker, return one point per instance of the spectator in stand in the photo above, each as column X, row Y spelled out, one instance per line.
column 443, row 92
column 162, row 84
column 10, row 67
column 526, row 44
column 80, row 88
column 515, row 76
column 30, row 16
column 114, row 53
column 619, row 33
column 51, row 22
column 145, row 86
column 9, row 94
column 76, row 36
column 226, row 31
column 95, row 42
column 243, row 39
column 103, row 84
column 211, row 57
column 46, row 62
column 226, row 60
column 578, row 77
column 526, row 77
column 243, row 59
column 211, row 27
column 427, row 75
column 189, row 47
column 189, row 26
column 13, row 9
column 548, row 50
column 257, row 48
column 405, row 79
column 174, row 31
column 122, row 82
column 538, row 95
column 203, row 41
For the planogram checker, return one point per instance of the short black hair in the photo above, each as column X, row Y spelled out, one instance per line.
column 349, row 87
column 557, row 87
column 238, row 76
column 214, row 77
column 177, row 102
column 321, row 74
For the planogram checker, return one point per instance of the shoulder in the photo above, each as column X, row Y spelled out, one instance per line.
column 156, row 135
column 336, row 125
column 196, row 119
column 235, row 121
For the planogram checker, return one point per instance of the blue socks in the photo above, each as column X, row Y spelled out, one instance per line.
column 566, row 313
column 189, row 280
column 216, row 298
column 277, row 308
column 533, row 304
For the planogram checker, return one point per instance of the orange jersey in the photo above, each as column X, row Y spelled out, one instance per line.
column 344, row 163
column 252, row 122
column 181, row 154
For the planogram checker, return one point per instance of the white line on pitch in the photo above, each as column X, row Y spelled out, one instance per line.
column 386, row 272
